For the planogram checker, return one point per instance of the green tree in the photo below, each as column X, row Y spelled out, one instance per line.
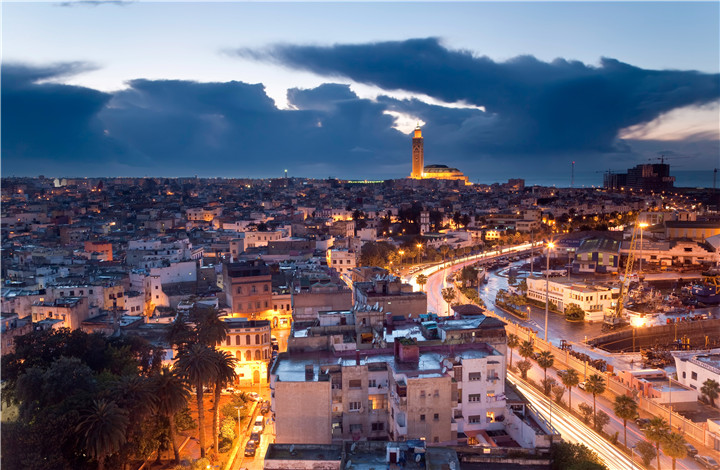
column 421, row 280
column 527, row 349
column 657, row 431
column 711, row 389
column 512, row 342
column 574, row 312
column 625, row 408
column 569, row 378
column 209, row 328
column 595, row 385
column 646, row 451
column 448, row 295
column 558, row 391
column 444, row 250
column 545, row 360
column 524, row 367
column 547, row 385
column 601, row 420
column 173, row 396
column 568, row 456
column 586, row 411
column 227, row 429
column 674, row 447
column 225, row 375
column 102, row 430
column 199, row 367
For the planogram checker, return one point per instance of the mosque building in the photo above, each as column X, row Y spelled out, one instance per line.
column 439, row 172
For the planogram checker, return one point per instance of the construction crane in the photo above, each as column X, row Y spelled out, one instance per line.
column 615, row 318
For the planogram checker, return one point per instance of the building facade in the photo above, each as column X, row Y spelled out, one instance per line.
column 247, row 286
column 249, row 342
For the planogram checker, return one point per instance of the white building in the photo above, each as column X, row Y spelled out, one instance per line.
column 594, row 300
column 341, row 260
column 694, row 369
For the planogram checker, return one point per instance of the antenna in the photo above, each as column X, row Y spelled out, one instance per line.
column 572, row 175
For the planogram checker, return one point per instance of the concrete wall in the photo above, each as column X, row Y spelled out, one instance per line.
column 302, row 410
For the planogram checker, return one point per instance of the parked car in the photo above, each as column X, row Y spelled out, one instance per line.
column 581, row 385
column 250, row 449
column 265, row 408
column 642, row 422
column 707, row 462
column 691, row 450
column 254, row 396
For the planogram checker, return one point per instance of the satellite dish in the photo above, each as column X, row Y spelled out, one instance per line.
column 353, row 447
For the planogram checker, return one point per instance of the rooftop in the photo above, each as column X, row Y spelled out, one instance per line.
column 314, row 452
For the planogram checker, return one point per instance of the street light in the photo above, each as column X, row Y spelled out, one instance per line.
column 550, row 246
column 419, row 247
column 632, row 457
column 636, row 322
column 642, row 225
column 401, row 253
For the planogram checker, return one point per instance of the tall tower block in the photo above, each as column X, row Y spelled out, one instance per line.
column 418, row 159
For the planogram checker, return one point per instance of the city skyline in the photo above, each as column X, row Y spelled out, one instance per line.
column 247, row 90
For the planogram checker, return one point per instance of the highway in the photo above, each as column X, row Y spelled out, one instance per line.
column 561, row 420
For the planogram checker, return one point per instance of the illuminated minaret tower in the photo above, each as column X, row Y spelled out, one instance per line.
column 418, row 159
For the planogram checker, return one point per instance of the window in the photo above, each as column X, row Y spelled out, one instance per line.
column 693, row 375
column 257, row 304
column 422, row 417
column 475, row 397
column 239, row 290
column 257, row 339
column 490, row 417
column 227, row 340
column 266, row 288
column 247, row 339
column 356, row 428
column 266, row 304
column 248, row 355
column 422, row 393
column 90, row 291
column 355, row 384
column 257, row 355
column 436, row 439
column 436, row 417
column 474, row 419
column 354, row 406
column 474, row 376
column 378, row 426
column 684, row 375
column 253, row 289
column 237, row 340
column 372, row 383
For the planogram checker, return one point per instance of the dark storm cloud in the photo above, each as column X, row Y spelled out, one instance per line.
column 173, row 127
column 536, row 106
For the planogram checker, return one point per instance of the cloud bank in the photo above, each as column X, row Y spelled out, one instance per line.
column 536, row 117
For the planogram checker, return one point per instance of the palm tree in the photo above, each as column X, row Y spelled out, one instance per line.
column 657, row 431
column 180, row 333
column 625, row 408
column 421, row 280
column 444, row 250
column 199, row 367
column 524, row 367
column 526, row 349
column 102, row 429
column 173, row 396
column 226, row 375
column 569, row 378
column 595, row 384
column 545, row 360
column 711, row 389
column 674, row 447
column 210, row 329
column 448, row 295
column 512, row 342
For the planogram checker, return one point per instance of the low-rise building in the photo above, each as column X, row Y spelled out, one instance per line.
column 70, row 311
column 391, row 295
column 693, row 370
column 249, row 342
column 593, row 299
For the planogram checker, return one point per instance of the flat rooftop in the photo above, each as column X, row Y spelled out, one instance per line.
column 292, row 368
column 712, row 360
column 314, row 452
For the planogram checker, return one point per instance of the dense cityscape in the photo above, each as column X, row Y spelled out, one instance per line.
column 360, row 236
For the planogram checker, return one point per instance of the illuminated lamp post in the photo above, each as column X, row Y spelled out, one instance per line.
column 550, row 246
column 419, row 247
column 636, row 323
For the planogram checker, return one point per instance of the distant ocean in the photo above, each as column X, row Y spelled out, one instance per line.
column 692, row 178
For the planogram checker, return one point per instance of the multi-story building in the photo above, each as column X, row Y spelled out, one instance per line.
column 410, row 392
column 70, row 311
column 247, row 286
column 594, row 300
column 694, row 369
column 341, row 260
column 390, row 293
column 249, row 342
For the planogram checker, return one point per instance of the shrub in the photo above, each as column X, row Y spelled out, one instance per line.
column 586, row 411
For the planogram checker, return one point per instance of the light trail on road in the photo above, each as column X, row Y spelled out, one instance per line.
column 574, row 430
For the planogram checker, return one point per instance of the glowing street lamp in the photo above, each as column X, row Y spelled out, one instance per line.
column 550, row 246
column 642, row 225
column 636, row 323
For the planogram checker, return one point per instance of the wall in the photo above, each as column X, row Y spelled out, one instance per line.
column 302, row 411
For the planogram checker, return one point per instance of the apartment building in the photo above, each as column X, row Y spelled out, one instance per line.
column 247, row 286
column 70, row 311
column 341, row 260
column 249, row 342
column 694, row 369
column 409, row 392
column 392, row 295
